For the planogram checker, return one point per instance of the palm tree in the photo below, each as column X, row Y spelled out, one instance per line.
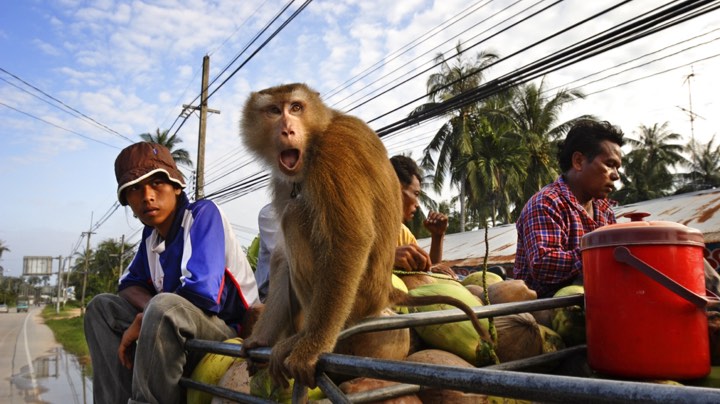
column 3, row 248
column 495, row 169
column 704, row 165
column 452, row 141
column 535, row 116
column 181, row 156
column 646, row 173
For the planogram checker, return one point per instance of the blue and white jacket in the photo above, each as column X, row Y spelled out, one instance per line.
column 200, row 260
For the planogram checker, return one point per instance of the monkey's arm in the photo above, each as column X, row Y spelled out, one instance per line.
column 275, row 322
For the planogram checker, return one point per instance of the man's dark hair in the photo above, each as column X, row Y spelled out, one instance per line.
column 405, row 168
column 585, row 137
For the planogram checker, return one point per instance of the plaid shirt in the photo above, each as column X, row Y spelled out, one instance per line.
column 549, row 230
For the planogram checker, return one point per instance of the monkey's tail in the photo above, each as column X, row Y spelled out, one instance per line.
column 400, row 298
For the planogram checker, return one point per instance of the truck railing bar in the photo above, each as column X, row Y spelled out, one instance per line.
column 454, row 315
column 504, row 383
column 329, row 388
column 263, row 354
column 402, row 389
column 404, row 321
column 383, row 393
column 222, row 392
column 541, row 359
column 498, row 380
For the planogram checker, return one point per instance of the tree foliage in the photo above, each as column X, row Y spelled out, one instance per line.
column 103, row 268
column 647, row 172
column 703, row 165
column 181, row 156
column 457, row 75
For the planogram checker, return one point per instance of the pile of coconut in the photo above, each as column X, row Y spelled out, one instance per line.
column 516, row 336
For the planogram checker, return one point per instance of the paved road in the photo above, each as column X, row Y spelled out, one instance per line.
column 33, row 366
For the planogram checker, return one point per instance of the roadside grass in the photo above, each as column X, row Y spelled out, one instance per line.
column 67, row 326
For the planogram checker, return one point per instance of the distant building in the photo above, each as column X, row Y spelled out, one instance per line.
column 465, row 251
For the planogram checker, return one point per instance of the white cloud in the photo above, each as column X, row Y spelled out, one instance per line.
column 128, row 65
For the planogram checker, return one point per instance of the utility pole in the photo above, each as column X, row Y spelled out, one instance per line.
column 692, row 115
column 59, row 281
column 122, row 251
column 87, row 263
column 67, row 279
column 203, row 108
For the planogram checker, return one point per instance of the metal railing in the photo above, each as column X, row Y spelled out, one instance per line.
column 503, row 380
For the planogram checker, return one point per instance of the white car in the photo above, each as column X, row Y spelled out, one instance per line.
column 4, row 308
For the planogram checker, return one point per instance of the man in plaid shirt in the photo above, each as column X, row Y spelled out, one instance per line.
column 554, row 220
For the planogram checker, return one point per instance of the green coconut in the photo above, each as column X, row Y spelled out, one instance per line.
column 460, row 337
column 475, row 278
column 569, row 321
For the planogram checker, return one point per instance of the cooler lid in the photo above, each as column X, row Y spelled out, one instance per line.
column 638, row 231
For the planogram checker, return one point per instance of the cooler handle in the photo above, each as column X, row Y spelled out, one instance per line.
column 623, row 254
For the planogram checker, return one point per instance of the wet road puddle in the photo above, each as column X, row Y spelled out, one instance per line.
column 56, row 378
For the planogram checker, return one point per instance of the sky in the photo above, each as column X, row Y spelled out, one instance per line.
column 81, row 79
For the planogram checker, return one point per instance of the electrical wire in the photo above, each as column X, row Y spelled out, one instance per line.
column 260, row 47
column 617, row 36
column 567, row 84
column 466, row 13
column 57, row 126
column 377, row 92
column 93, row 121
column 645, row 24
column 655, row 74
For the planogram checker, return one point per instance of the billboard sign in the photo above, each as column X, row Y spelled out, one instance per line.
column 37, row 266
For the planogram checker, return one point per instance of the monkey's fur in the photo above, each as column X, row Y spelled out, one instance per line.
column 339, row 204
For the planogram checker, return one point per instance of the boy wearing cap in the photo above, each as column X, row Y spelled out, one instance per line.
column 189, row 279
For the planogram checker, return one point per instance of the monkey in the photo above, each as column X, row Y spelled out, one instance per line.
column 338, row 200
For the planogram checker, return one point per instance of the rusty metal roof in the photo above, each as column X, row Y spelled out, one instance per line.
column 696, row 209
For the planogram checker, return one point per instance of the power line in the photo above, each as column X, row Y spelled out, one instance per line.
column 277, row 31
column 639, row 58
column 655, row 74
column 415, row 43
column 272, row 21
column 622, row 34
column 378, row 91
column 635, row 28
column 282, row 26
column 103, row 126
column 57, row 126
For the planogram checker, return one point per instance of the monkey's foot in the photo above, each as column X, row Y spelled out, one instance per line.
column 278, row 372
column 301, row 365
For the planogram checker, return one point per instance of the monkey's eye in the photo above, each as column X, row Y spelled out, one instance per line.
column 273, row 110
column 296, row 107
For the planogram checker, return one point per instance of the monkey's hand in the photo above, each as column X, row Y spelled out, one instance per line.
column 248, row 344
column 278, row 372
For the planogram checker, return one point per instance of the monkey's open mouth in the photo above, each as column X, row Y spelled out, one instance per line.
column 289, row 158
